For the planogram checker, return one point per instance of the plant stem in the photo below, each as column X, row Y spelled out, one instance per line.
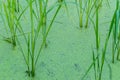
column 81, row 14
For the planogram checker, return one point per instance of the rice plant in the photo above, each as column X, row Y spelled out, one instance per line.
column 32, row 55
column 96, row 28
column 84, row 8
column 89, row 3
column 115, row 29
column 115, row 43
column 49, row 27
column 16, row 5
column 10, row 14
column 32, row 42
column 98, row 59
column 43, row 18
column 79, row 6
column 81, row 14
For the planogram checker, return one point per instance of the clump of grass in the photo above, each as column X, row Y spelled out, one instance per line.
column 84, row 8
column 99, row 59
column 10, row 15
column 32, row 55
column 79, row 6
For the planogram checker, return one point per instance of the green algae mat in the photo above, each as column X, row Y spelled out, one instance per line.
column 59, row 40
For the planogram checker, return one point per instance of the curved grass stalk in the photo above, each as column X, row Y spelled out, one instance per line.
column 16, row 5
column 115, row 31
column 50, row 25
column 105, row 45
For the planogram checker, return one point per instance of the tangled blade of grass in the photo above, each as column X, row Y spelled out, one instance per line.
column 116, row 32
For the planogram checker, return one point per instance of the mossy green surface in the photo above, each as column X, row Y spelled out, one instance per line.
column 69, row 51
